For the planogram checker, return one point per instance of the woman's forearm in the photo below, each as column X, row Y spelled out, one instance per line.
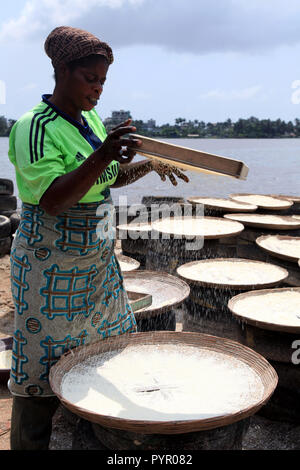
column 132, row 172
column 68, row 189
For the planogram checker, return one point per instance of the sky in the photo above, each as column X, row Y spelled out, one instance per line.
column 209, row 60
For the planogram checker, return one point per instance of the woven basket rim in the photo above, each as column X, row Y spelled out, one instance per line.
column 127, row 259
column 239, row 228
column 284, row 196
column 283, row 328
column 154, row 311
column 264, row 206
column 277, row 254
column 232, row 286
column 263, row 224
column 231, row 348
column 248, row 207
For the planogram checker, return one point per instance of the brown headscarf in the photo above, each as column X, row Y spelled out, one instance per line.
column 65, row 44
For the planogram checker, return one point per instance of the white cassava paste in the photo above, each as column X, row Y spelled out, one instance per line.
column 162, row 383
column 280, row 307
column 165, row 290
column 135, row 227
column 284, row 246
column 223, row 203
column 261, row 200
column 265, row 219
column 197, row 226
column 237, row 272
column 127, row 264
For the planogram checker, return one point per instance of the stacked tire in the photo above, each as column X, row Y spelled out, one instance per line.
column 9, row 218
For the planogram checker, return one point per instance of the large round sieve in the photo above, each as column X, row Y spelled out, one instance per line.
column 206, row 227
column 127, row 264
column 167, row 291
column 280, row 246
column 266, row 221
column 222, row 204
column 271, row 309
column 232, row 273
column 259, row 376
column 263, row 201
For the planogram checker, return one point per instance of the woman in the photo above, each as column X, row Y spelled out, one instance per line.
column 66, row 281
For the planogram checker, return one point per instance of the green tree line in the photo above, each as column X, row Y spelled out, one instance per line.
column 5, row 126
column 243, row 128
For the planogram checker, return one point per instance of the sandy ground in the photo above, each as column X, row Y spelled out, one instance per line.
column 263, row 434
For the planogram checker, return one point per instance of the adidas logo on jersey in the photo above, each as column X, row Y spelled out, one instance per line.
column 79, row 157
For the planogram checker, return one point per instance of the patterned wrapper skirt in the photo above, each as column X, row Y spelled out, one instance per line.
column 67, row 288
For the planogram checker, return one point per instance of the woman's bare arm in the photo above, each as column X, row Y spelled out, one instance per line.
column 129, row 173
column 132, row 172
column 68, row 189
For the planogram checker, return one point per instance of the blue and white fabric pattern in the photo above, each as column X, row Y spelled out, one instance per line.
column 68, row 290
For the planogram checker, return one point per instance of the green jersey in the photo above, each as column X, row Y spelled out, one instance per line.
column 45, row 143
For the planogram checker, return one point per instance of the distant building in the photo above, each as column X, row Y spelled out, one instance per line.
column 120, row 116
column 116, row 118
column 150, row 125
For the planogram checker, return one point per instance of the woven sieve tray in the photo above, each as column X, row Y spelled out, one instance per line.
column 229, row 348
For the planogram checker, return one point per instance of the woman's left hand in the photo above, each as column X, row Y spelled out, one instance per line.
column 125, row 147
column 164, row 170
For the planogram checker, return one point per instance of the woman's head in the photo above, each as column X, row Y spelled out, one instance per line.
column 80, row 62
column 66, row 44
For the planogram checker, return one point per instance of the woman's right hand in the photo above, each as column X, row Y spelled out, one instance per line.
column 113, row 146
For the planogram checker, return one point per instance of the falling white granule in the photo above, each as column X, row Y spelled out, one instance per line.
column 162, row 383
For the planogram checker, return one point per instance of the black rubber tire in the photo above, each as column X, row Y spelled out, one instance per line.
column 5, row 226
column 5, row 245
column 8, row 203
column 8, row 213
column 6, row 187
column 14, row 221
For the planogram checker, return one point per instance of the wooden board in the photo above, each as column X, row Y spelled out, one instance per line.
column 139, row 300
column 190, row 159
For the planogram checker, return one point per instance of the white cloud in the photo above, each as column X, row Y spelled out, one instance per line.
column 199, row 27
column 39, row 16
column 229, row 95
